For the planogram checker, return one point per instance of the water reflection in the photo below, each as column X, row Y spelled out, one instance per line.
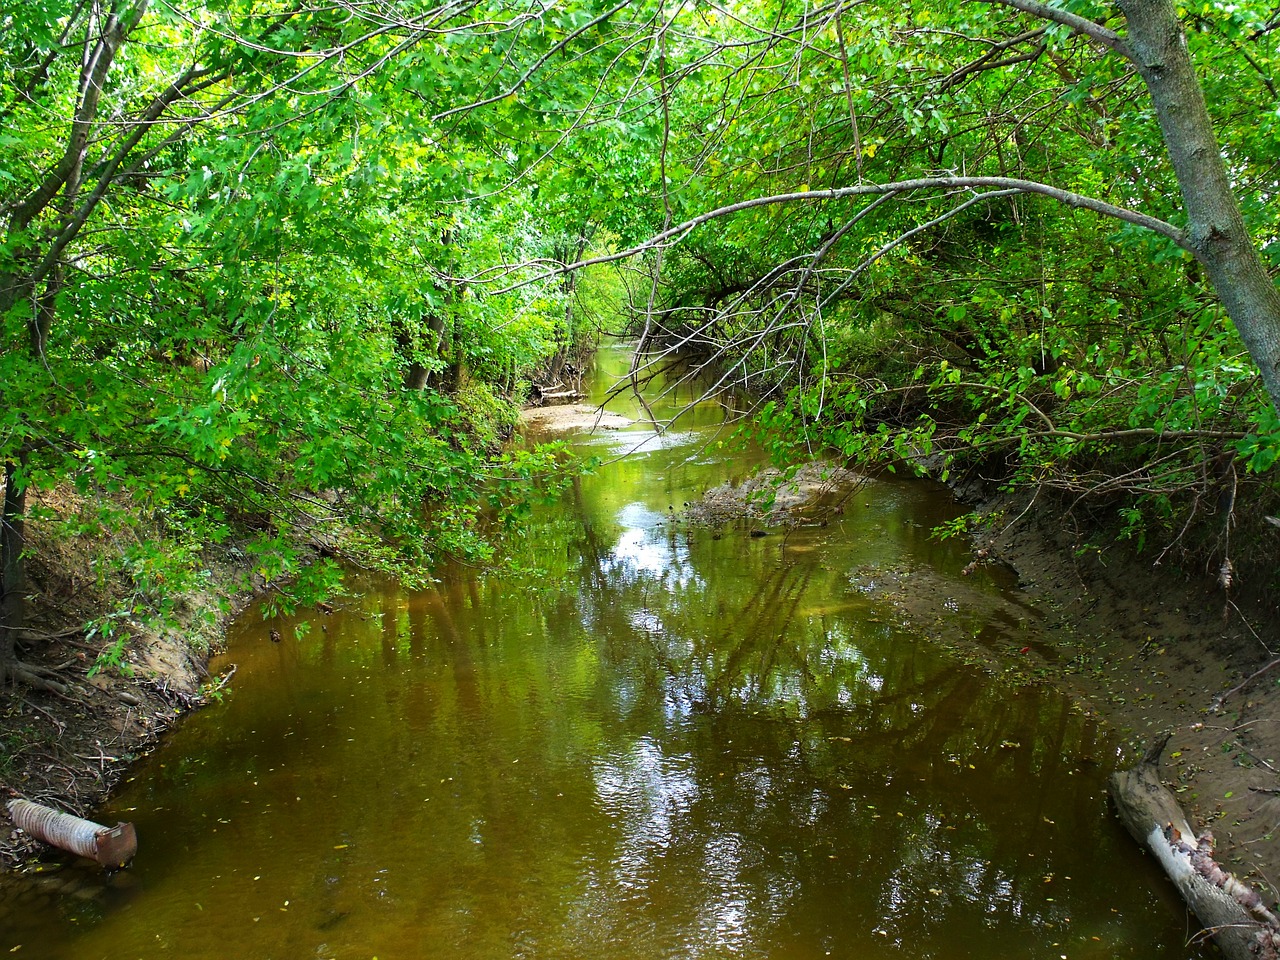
column 674, row 743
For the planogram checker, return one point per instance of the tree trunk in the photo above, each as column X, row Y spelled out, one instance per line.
column 436, row 327
column 1240, row 923
column 12, row 574
column 1215, row 227
column 417, row 374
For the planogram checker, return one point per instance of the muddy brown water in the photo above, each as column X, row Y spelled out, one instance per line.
column 668, row 742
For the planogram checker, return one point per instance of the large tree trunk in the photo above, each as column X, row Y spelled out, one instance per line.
column 1215, row 227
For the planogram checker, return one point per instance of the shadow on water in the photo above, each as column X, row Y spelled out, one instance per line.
column 666, row 742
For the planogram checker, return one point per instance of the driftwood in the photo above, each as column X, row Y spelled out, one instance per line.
column 1231, row 911
column 555, row 393
column 559, row 396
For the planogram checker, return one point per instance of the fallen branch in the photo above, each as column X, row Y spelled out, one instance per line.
column 1231, row 911
column 60, row 635
column 558, row 396
column 1221, row 698
column 226, row 678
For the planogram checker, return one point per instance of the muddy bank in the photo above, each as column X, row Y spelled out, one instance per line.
column 810, row 494
column 571, row 417
column 107, row 695
column 1156, row 650
column 1144, row 647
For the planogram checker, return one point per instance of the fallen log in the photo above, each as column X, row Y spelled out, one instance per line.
column 551, row 394
column 113, row 847
column 553, row 397
column 1231, row 911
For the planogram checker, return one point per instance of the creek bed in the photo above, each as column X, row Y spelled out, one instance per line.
column 656, row 741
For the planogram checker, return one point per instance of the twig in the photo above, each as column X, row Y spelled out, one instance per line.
column 52, row 718
column 226, row 678
column 1222, row 698
column 1256, row 759
column 101, row 758
column 1249, row 627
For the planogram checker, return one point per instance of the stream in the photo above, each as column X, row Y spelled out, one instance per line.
column 655, row 740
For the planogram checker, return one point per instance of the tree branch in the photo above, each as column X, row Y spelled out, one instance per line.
column 537, row 65
column 93, row 77
column 1104, row 36
column 106, row 177
column 675, row 234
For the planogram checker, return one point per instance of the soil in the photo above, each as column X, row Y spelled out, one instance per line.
column 1157, row 651
column 571, row 417
column 67, row 748
column 1147, row 649
column 771, row 497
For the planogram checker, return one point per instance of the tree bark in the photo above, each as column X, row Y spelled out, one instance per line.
column 1240, row 923
column 12, row 570
column 1216, row 232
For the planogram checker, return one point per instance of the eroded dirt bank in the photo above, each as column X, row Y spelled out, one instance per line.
column 109, row 694
column 1155, row 650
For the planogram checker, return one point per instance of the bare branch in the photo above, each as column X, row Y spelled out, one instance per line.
column 1077, row 24
column 938, row 184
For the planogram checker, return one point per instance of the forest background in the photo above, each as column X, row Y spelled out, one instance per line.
column 275, row 276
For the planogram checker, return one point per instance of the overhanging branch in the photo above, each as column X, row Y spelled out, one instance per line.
column 674, row 234
column 1075, row 23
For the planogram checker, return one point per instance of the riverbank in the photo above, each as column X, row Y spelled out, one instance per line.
column 1157, row 651
column 1139, row 647
column 109, row 694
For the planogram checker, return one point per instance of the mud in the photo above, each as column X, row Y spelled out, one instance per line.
column 810, row 494
column 1156, row 650
column 571, row 417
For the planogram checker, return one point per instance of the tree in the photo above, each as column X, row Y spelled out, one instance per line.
column 1072, row 341
column 218, row 256
column 1215, row 234
column 237, row 234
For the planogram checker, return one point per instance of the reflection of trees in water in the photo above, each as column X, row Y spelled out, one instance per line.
column 797, row 709
column 730, row 746
column 757, row 815
column 698, row 644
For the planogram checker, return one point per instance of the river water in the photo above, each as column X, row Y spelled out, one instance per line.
column 654, row 741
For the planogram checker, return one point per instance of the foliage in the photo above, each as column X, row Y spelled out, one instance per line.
column 232, row 277
column 275, row 273
column 1012, row 337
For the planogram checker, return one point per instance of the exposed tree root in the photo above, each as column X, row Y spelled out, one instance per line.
column 1221, row 698
column 39, row 678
